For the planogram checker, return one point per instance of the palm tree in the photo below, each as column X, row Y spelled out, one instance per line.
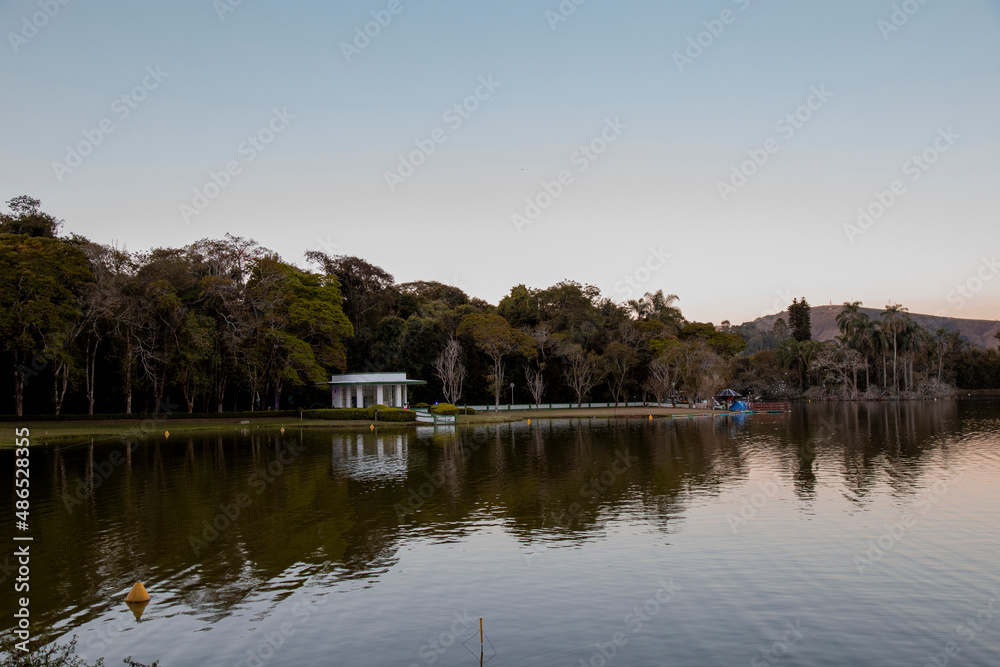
column 798, row 355
column 893, row 323
column 880, row 346
column 940, row 345
column 843, row 350
column 849, row 318
column 849, row 321
column 911, row 345
column 866, row 344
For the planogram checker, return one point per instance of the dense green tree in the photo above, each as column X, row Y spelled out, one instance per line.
column 494, row 336
column 301, row 326
column 520, row 307
column 40, row 282
column 26, row 219
column 800, row 320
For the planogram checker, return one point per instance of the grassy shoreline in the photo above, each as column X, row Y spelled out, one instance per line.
column 43, row 432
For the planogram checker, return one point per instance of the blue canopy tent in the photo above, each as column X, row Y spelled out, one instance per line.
column 732, row 400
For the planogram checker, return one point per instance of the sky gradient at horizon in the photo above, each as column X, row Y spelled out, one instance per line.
column 647, row 211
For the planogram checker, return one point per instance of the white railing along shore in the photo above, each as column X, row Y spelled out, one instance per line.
column 570, row 406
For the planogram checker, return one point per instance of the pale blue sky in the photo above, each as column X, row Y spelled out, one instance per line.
column 321, row 184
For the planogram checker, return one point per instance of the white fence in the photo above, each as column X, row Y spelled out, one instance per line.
column 565, row 406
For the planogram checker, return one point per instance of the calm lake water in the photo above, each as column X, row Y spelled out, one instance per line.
column 837, row 535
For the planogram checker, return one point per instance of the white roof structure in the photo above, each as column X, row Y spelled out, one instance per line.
column 363, row 390
column 373, row 378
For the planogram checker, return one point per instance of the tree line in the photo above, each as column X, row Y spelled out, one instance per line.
column 226, row 324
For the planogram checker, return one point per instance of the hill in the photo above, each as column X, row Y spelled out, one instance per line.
column 824, row 324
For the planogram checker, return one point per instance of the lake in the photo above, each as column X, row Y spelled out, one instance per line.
column 839, row 534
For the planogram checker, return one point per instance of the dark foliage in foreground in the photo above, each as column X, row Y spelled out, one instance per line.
column 52, row 655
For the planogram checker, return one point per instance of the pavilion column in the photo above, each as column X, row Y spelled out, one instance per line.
column 359, row 394
column 378, row 394
column 399, row 396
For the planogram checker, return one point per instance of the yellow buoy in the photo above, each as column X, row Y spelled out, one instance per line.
column 650, row 417
column 137, row 594
column 282, row 429
column 529, row 422
column 166, row 434
column 371, row 427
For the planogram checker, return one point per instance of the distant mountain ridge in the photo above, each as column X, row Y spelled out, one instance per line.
column 824, row 324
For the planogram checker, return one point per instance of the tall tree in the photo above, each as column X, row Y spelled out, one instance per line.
column 619, row 359
column 301, row 326
column 26, row 219
column 800, row 319
column 894, row 321
column 849, row 321
column 450, row 370
column 494, row 336
column 582, row 369
column 535, row 379
column 39, row 283
column 660, row 380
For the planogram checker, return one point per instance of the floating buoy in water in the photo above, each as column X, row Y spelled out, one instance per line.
column 166, row 434
column 529, row 422
column 282, row 429
column 137, row 594
column 650, row 417
column 371, row 427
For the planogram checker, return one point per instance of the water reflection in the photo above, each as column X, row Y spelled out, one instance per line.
column 207, row 521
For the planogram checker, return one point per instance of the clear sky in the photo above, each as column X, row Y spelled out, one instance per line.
column 666, row 120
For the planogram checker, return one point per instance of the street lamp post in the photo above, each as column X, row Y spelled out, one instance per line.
column 511, row 394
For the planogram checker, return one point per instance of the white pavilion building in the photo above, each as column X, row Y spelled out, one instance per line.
column 363, row 390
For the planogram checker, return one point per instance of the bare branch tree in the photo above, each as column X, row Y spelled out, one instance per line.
column 660, row 382
column 448, row 367
column 583, row 370
column 536, row 384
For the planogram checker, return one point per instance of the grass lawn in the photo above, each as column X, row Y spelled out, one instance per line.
column 44, row 432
